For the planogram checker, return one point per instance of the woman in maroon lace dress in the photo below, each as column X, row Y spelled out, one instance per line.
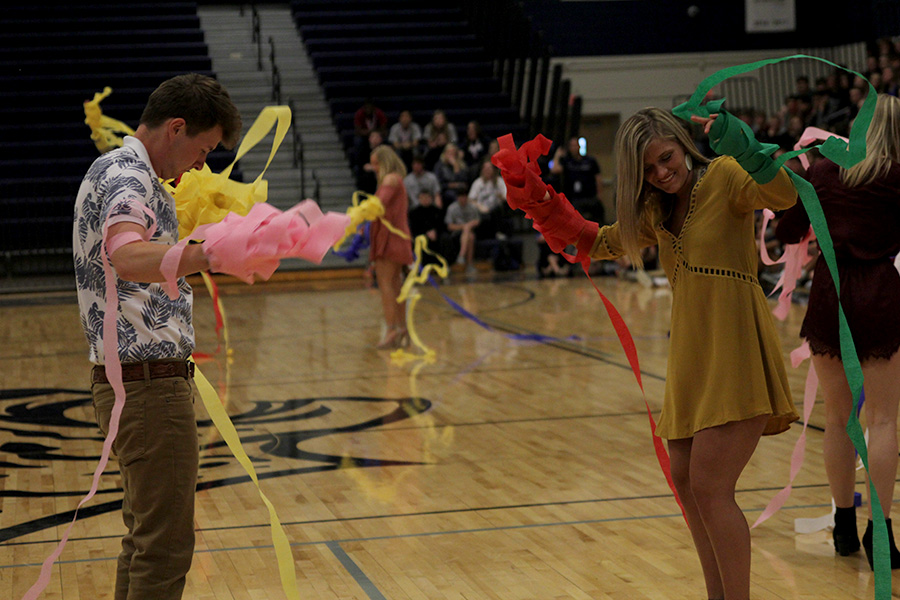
column 862, row 208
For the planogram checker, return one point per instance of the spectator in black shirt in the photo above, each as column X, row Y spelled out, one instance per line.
column 581, row 181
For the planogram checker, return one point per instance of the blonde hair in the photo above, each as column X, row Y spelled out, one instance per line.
column 636, row 199
column 388, row 162
column 882, row 144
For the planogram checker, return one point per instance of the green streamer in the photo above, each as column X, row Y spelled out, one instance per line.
column 845, row 154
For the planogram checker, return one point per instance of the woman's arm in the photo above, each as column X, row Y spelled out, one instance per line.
column 792, row 225
column 768, row 185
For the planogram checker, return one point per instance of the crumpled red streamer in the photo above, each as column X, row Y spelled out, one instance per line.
column 552, row 214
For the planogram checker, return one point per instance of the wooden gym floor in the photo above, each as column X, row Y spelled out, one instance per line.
column 503, row 470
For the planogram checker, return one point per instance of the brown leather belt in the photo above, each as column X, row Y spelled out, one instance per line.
column 147, row 370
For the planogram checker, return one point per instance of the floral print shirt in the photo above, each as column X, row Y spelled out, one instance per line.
column 117, row 188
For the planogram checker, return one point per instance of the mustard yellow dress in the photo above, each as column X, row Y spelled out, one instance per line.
column 725, row 358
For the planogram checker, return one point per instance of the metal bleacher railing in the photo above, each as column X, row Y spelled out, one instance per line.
column 523, row 64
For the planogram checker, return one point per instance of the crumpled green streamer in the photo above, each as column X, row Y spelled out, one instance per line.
column 845, row 154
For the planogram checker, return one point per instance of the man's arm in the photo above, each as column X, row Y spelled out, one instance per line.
column 140, row 261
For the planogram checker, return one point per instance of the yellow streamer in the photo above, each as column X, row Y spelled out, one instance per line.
column 432, row 438
column 203, row 197
column 105, row 131
column 223, row 423
column 370, row 208
column 418, row 274
column 228, row 354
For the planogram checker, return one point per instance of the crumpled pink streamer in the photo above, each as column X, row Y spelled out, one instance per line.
column 797, row 456
column 813, row 134
column 250, row 247
column 794, row 258
column 114, row 375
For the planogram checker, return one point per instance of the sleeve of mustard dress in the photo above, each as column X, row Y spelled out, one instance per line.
column 608, row 245
column 760, row 183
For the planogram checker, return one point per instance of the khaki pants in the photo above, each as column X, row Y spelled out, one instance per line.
column 158, row 454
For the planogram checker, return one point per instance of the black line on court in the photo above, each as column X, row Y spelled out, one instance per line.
column 430, row 513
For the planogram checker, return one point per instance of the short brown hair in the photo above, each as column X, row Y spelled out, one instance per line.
column 200, row 100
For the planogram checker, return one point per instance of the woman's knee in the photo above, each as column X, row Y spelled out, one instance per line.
column 710, row 489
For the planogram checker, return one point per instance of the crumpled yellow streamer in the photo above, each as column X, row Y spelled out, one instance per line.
column 224, row 344
column 203, row 197
column 366, row 207
column 105, row 131
column 223, row 423
column 418, row 274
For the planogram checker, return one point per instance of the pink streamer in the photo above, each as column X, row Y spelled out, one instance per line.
column 122, row 239
column 241, row 246
column 250, row 247
column 809, row 400
column 114, row 375
column 794, row 258
column 813, row 134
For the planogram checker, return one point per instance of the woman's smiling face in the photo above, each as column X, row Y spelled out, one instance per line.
column 664, row 166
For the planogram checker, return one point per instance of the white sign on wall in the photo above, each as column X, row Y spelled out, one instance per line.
column 766, row 16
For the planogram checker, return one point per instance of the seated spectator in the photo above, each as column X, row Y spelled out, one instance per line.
column 890, row 85
column 857, row 98
column 437, row 133
column 776, row 133
column 759, row 121
column 820, row 111
column 488, row 194
column 475, row 146
column 366, row 179
column 462, row 219
column 428, row 220
column 493, row 148
column 452, row 172
column 368, row 118
column 795, row 128
column 421, row 180
column 802, row 89
column 405, row 136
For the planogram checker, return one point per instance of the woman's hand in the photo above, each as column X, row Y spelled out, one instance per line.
column 705, row 121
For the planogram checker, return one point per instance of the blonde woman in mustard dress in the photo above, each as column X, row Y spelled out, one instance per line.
column 726, row 382
column 388, row 251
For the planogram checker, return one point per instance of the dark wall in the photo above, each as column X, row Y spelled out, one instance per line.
column 616, row 27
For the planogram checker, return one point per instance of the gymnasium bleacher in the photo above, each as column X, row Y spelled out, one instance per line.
column 52, row 60
column 405, row 55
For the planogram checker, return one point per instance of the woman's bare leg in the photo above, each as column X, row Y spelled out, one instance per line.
column 838, row 451
column 718, row 456
column 680, row 458
column 882, row 389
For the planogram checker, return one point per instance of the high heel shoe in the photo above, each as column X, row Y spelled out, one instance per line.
column 867, row 544
column 845, row 534
column 403, row 341
column 390, row 340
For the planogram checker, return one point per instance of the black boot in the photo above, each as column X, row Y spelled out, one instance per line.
column 845, row 535
column 867, row 544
